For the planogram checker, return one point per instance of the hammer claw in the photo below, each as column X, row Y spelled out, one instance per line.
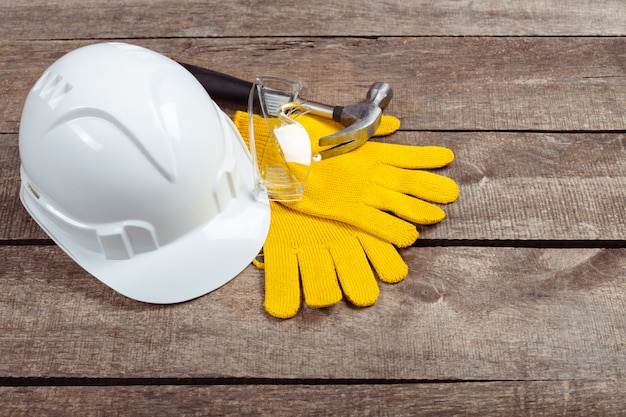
column 361, row 121
column 351, row 137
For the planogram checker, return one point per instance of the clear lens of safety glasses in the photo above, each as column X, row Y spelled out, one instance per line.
column 282, row 160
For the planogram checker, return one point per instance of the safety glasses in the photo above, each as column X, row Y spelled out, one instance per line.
column 282, row 156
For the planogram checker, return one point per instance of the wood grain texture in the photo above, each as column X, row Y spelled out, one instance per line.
column 190, row 19
column 439, row 83
column 515, row 304
column 550, row 398
column 464, row 313
column 514, row 186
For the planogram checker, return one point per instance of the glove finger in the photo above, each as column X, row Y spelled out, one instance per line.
column 375, row 221
column 388, row 125
column 319, row 280
column 404, row 206
column 384, row 258
column 282, row 284
column 406, row 156
column 354, row 272
column 421, row 184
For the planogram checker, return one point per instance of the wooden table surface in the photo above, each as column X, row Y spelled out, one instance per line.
column 514, row 304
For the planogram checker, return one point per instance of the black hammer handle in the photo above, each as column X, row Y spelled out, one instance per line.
column 221, row 86
column 226, row 87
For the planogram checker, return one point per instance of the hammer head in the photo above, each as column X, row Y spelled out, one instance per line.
column 361, row 121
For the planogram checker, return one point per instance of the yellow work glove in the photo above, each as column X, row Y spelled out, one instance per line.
column 328, row 258
column 364, row 186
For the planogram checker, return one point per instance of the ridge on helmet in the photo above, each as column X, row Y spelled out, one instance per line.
column 133, row 170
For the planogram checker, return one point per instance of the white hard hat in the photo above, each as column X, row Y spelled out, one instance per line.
column 131, row 168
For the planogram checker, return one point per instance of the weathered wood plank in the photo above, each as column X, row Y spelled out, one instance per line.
column 525, row 186
column 534, row 186
column 562, row 84
column 551, row 398
column 520, row 331
column 163, row 18
column 462, row 314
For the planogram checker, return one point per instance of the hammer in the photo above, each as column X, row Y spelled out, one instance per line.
column 360, row 120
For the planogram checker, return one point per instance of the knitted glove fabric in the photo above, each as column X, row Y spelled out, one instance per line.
column 325, row 259
column 364, row 186
column 328, row 258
